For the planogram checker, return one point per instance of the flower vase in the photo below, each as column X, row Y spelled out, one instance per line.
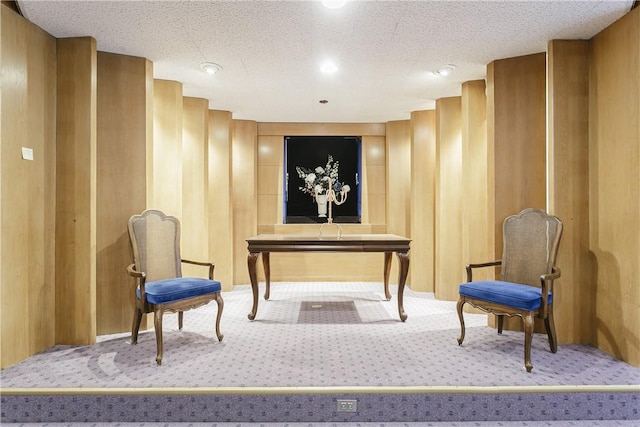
column 321, row 200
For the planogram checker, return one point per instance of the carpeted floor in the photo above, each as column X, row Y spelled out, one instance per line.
column 321, row 335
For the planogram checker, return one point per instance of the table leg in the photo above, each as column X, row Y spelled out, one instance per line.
column 403, row 258
column 267, row 274
column 387, row 272
column 253, row 276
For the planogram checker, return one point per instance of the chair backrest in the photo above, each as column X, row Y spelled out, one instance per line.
column 155, row 243
column 530, row 245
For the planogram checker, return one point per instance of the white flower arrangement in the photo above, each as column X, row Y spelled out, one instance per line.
column 317, row 181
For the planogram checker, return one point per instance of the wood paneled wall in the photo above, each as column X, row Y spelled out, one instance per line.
column 568, row 164
column 398, row 186
column 516, row 128
column 54, row 208
column 614, row 185
column 122, row 136
column 270, row 166
column 28, row 188
column 423, row 187
column 516, row 91
column 194, row 224
column 76, row 176
column 373, row 181
column 477, row 191
column 449, row 265
column 244, row 194
column 167, row 148
column 220, row 196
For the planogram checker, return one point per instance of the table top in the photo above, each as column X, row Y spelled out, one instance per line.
column 328, row 238
column 314, row 242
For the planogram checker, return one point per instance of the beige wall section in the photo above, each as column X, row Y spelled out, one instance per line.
column 219, row 197
column 244, row 194
column 568, row 164
column 449, row 265
column 614, row 180
column 194, row 224
column 167, row 148
column 76, row 173
column 27, row 209
column 121, row 181
column 477, row 195
column 423, row 166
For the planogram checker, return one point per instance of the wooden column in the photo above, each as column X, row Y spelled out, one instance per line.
column 568, row 140
column 477, row 192
column 76, row 173
column 449, row 265
column 219, row 196
column 27, row 198
column 123, row 114
column 423, row 161
column 167, row 148
column 244, row 193
column 516, row 128
column 195, row 226
column 614, row 185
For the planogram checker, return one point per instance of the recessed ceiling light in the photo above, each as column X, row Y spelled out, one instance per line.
column 333, row 4
column 329, row 67
column 210, row 67
column 445, row 70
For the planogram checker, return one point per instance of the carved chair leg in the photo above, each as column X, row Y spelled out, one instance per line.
column 219, row 316
column 135, row 327
column 551, row 331
column 180, row 317
column 157, row 320
column 500, row 323
column 528, row 337
column 459, row 308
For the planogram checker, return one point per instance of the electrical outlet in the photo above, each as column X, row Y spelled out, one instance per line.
column 347, row 405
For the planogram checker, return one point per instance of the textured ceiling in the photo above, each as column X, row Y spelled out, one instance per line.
column 271, row 51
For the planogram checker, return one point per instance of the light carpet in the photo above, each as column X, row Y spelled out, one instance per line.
column 321, row 335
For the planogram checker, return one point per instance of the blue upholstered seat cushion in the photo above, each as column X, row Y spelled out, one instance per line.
column 510, row 294
column 168, row 290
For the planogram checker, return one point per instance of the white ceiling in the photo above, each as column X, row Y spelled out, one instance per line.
column 271, row 51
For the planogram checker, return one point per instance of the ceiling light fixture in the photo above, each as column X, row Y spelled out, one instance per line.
column 210, row 67
column 329, row 67
column 445, row 70
column 333, row 4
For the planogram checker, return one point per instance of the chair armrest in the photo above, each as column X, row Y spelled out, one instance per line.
column 546, row 285
column 142, row 278
column 131, row 270
column 470, row 267
column 204, row 264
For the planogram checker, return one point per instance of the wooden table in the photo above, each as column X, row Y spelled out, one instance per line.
column 386, row 243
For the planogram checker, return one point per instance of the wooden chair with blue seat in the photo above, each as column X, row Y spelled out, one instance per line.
column 527, row 273
column 157, row 269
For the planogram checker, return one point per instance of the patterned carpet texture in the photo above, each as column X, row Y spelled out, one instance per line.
column 321, row 335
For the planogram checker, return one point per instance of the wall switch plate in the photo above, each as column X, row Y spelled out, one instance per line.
column 347, row 405
column 27, row 153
